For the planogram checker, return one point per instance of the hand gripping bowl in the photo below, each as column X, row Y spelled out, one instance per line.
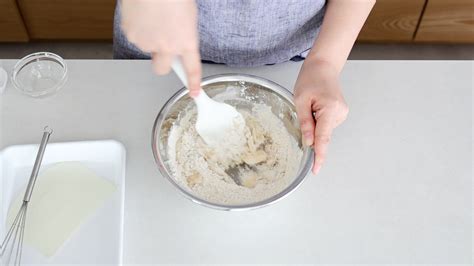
column 246, row 90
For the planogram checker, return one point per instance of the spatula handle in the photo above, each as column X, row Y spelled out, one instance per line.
column 178, row 68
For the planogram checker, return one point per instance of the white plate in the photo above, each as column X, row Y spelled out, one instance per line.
column 99, row 239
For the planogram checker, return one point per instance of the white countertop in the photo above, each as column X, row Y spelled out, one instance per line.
column 396, row 187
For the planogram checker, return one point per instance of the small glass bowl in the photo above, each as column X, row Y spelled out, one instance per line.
column 39, row 74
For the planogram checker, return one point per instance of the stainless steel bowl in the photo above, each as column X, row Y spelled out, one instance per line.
column 248, row 91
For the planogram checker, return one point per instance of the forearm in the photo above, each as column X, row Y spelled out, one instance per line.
column 341, row 25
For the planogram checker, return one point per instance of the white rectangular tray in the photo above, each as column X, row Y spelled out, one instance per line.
column 99, row 239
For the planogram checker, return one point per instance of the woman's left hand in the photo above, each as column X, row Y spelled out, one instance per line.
column 320, row 106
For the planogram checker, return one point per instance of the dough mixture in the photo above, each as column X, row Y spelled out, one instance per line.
column 263, row 167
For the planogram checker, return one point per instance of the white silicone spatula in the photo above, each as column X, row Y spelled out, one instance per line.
column 215, row 120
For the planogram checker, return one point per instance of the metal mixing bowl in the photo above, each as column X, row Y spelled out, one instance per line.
column 246, row 90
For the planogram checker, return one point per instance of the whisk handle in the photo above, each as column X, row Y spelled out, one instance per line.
column 39, row 157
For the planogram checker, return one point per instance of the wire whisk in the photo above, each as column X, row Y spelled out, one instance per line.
column 12, row 245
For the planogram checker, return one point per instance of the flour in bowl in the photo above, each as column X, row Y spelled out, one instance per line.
column 266, row 165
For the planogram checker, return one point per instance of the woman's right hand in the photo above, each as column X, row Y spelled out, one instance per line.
column 165, row 29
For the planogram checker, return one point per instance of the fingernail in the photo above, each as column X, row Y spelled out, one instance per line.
column 194, row 93
column 316, row 169
column 307, row 139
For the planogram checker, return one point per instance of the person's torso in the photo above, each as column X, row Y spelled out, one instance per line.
column 257, row 32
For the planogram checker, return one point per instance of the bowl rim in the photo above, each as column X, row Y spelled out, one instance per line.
column 43, row 56
column 229, row 77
